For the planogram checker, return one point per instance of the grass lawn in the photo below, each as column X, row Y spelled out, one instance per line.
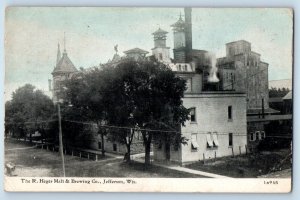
column 247, row 166
column 42, row 163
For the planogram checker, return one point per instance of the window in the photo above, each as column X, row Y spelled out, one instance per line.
column 252, row 136
column 99, row 145
column 263, row 135
column 194, row 142
column 230, row 139
column 185, row 67
column 215, row 139
column 257, row 135
column 179, row 68
column 189, row 85
column 114, row 147
column 193, row 114
column 160, row 56
column 159, row 145
column 209, row 141
column 230, row 112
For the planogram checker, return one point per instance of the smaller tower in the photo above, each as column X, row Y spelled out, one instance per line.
column 63, row 70
column 160, row 51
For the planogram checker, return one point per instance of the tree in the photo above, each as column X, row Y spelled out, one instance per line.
column 151, row 97
column 278, row 92
column 84, row 92
column 144, row 95
column 27, row 107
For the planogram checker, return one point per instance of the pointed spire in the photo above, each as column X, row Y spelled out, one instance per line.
column 58, row 54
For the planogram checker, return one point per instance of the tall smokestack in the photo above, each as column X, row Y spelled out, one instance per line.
column 188, row 33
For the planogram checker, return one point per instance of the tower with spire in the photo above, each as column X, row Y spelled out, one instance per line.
column 160, row 50
column 63, row 70
column 182, row 30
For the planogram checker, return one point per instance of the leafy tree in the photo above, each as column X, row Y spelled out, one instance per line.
column 84, row 93
column 27, row 107
column 145, row 95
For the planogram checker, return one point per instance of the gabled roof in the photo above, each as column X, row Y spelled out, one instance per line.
column 136, row 50
column 288, row 96
column 159, row 31
column 64, row 65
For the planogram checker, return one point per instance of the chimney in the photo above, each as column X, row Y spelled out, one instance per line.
column 188, row 33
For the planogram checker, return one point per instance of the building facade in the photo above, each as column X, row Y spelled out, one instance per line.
column 217, row 128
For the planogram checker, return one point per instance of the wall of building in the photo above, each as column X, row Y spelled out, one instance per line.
column 159, row 152
column 237, row 47
column 137, row 145
column 162, row 54
column 179, row 39
column 212, row 116
column 179, row 55
column 251, row 74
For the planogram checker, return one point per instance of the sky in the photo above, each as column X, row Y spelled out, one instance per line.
column 33, row 33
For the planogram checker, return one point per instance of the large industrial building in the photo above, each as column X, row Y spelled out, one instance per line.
column 220, row 93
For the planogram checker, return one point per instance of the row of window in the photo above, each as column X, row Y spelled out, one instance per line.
column 193, row 114
column 211, row 140
column 182, row 67
column 257, row 135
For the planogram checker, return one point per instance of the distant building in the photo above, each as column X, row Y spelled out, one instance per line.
column 243, row 71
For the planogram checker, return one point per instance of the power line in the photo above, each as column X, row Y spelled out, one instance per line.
column 31, row 122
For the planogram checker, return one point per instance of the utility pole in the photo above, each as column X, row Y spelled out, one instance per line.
column 61, row 151
column 263, row 108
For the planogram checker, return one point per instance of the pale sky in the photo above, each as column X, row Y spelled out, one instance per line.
column 32, row 35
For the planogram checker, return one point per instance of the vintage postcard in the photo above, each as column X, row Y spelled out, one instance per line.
column 148, row 99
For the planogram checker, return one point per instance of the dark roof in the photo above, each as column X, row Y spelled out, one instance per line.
column 64, row 65
column 159, row 31
column 275, row 99
column 136, row 50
